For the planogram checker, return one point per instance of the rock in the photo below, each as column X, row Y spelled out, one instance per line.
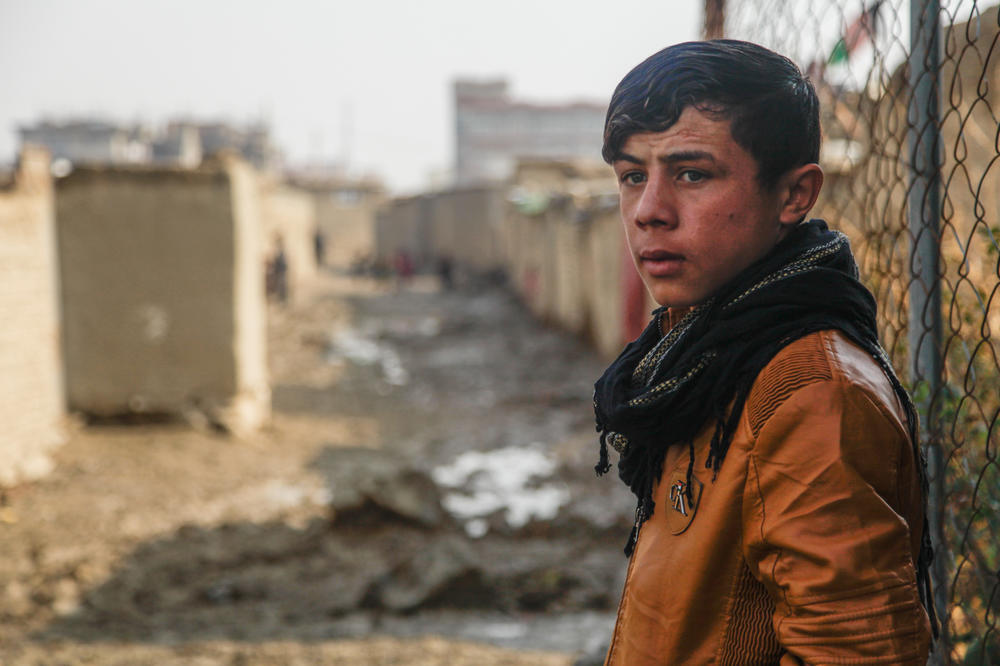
column 595, row 658
column 17, row 601
column 443, row 574
column 595, row 648
column 371, row 487
column 66, row 597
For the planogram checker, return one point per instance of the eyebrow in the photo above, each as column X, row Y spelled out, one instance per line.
column 671, row 158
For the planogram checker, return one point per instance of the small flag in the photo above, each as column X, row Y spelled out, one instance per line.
column 860, row 31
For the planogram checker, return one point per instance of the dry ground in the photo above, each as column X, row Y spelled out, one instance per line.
column 138, row 549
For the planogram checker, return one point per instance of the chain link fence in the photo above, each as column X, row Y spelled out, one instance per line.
column 911, row 101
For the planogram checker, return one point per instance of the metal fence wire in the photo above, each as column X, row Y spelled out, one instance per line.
column 910, row 100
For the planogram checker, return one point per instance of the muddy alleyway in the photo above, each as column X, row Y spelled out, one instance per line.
column 424, row 494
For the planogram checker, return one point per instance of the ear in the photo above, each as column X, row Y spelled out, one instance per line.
column 799, row 188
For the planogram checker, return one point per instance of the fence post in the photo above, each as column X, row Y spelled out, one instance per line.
column 714, row 26
column 924, row 214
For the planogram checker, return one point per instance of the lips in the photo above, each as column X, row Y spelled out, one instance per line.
column 661, row 263
column 660, row 255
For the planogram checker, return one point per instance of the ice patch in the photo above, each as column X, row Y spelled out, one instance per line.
column 456, row 356
column 504, row 630
column 477, row 527
column 404, row 327
column 483, row 482
column 429, row 326
column 349, row 344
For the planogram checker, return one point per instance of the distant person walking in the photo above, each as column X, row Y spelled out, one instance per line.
column 446, row 272
column 403, row 266
column 276, row 278
column 319, row 246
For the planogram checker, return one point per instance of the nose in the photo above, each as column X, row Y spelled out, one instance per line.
column 656, row 205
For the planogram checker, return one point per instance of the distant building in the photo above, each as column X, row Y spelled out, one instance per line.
column 182, row 143
column 253, row 142
column 492, row 131
column 90, row 141
column 346, row 210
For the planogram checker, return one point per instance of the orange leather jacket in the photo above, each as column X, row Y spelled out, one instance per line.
column 803, row 548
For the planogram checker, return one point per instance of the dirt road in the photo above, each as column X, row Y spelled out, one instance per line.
column 423, row 495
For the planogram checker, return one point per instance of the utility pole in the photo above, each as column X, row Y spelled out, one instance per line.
column 715, row 19
column 924, row 212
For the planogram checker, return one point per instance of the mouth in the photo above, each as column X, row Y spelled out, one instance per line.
column 661, row 263
column 660, row 255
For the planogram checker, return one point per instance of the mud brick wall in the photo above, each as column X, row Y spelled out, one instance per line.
column 348, row 223
column 565, row 255
column 290, row 214
column 528, row 246
column 465, row 225
column 572, row 265
column 162, row 292
column 566, row 262
column 31, row 388
column 604, row 282
column 250, row 405
column 462, row 224
column 562, row 251
column 403, row 225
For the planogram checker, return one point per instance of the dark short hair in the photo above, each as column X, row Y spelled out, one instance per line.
column 772, row 107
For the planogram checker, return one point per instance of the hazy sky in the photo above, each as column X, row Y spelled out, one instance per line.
column 363, row 79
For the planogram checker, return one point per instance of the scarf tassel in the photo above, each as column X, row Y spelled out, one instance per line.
column 643, row 511
column 603, row 464
column 924, row 561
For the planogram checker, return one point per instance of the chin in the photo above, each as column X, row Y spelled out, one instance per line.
column 674, row 300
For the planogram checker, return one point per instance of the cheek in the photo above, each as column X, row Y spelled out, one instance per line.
column 628, row 239
column 626, row 207
column 628, row 229
column 738, row 214
column 732, row 208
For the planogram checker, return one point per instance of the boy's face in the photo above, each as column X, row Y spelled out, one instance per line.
column 693, row 211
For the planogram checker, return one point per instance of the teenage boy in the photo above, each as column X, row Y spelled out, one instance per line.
column 770, row 446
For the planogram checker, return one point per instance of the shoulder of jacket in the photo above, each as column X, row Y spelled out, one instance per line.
column 824, row 356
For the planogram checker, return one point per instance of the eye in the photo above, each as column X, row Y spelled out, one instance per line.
column 633, row 177
column 691, row 176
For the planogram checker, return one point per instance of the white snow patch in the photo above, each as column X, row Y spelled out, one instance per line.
column 456, row 355
column 483, row 482
column 429, row 326
column 477, row 527
column 349, row 344
column 505, row 630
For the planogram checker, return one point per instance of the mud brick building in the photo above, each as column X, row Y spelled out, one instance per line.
column 289, row 214
column 162, row 292
column 345, row 215
column 31, row 388
column 462, row 224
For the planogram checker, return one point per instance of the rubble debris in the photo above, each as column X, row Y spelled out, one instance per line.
column 444, row 574
column 369, row 487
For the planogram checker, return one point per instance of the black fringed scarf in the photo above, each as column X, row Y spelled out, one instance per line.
column 663, row 389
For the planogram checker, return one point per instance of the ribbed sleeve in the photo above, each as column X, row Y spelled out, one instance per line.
column 823, row 534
